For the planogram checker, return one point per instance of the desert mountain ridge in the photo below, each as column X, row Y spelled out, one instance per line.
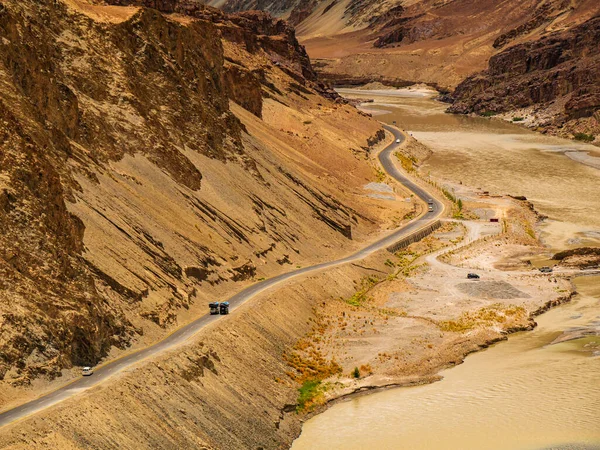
column 449, row 44
column 153, row 161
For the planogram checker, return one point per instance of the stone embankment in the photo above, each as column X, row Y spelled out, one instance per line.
column 414, row 237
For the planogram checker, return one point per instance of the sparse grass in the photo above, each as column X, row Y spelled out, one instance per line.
column 360, row 296
column 366, row 368
column 518, row 119
column 584, row 137
column 306, row 359
column 309, row 364
column 489, row 316
column 407, row 162
column 488, row 113
column 380, row 175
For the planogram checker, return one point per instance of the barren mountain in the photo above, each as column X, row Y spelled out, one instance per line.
column 542, row 54
column 438, row 42
column 553, row 82
column 152, row 162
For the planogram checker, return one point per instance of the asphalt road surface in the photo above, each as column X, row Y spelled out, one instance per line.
column 180, row 336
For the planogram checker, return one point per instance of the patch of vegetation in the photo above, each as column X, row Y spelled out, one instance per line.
column 458, row 204
column 449, row 195
column 518, row 119
column 530, row 232
column 380, row 175
column 309, row 364
column 406, row 258
column 584, row 137
column 310, row 395
column 410, row 215
column 487, row 316
column 356, row 373
column 458, row 213
column 488, row 113
column 307, row 122
column 407, row 162
column 360, row 296
column 366, row 368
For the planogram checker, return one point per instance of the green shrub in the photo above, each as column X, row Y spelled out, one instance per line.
column 356, row 373
column 517, row 119
column 309, row 394
column 584, row 137
column 488, row 113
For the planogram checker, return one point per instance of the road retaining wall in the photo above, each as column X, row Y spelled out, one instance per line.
column 414, row 237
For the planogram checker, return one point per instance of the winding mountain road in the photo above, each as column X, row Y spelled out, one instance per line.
column 104, row 372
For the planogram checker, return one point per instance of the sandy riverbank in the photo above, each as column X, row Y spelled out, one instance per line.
column 403, row 327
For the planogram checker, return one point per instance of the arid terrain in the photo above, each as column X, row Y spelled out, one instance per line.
column 536, row 61
column 397, row 319
column 134, row 190
column 162, row 154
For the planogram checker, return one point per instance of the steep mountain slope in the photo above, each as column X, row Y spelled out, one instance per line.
column 436, row 42
column 135, row 187
column 553, row 82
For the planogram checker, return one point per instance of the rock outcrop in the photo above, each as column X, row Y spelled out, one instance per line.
column 559, row 72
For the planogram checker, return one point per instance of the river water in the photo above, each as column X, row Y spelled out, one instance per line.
column 521, row 394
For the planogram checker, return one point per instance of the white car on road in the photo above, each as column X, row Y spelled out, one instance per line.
column 87, row 371
column 397, row 141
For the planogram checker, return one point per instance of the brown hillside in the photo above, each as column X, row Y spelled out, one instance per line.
column 135, row 187
column 436, row 42
column 557, row 76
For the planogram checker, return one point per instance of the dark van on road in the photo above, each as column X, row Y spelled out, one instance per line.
column 224, row 308
column 219, row 308
column 473, row 276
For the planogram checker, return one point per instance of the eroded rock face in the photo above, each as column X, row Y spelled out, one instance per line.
column 562, row 66
column 109, row 131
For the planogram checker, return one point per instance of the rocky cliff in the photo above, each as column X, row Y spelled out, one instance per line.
column 138, row 180
column 553, row 82
column 436, row 42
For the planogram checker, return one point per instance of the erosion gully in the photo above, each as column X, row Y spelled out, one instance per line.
column 523, row 393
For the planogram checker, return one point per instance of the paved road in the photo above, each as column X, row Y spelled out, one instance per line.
column 106, row 371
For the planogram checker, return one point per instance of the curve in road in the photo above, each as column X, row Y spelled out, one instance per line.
column 180, row 336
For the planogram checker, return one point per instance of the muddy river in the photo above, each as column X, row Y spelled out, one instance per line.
column 520, row 394
column 504, row 158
